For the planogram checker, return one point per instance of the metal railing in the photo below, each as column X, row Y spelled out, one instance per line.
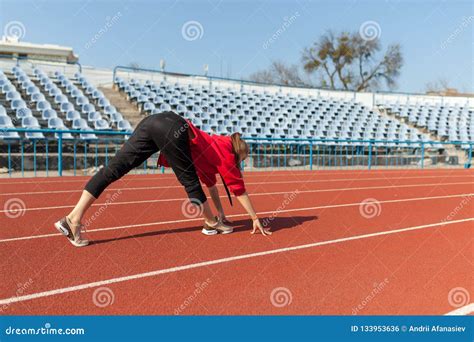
column 57, row 152
column 369, row 99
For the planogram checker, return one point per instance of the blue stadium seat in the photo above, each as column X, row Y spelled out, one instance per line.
column 23, row 113
column 6, row 122
column 101, row 124
column 55, row 123
column 30, row 122
column 93, row 116
column 9, row 135
column 109, row 110
column 16, row 104
column 48, row 114
column 124, row 125
column 79, row 124
column 66, row 107
column 88, row 108
column 87, row 136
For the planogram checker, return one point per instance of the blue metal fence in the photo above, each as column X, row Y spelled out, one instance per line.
column 57, row 154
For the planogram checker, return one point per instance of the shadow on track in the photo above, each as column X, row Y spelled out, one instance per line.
column 275, row 223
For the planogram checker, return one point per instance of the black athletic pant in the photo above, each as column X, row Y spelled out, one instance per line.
column 166, row 132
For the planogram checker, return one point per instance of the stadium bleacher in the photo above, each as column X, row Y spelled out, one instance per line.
column 448, row 122
column 56, row 102
column 345, row 128
column 266, row 115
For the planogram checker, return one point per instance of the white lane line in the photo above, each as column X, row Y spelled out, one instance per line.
column 31, row 193
column 100, row 204
column 131, row 177
column 464, row 310
column 80, row 287
column 247, row 174
column 158, row 223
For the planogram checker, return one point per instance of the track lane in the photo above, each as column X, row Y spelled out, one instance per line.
column 127, row 251
column 323, row 280
column 120, row 251
column 147, row 212
column 131, row 192
column 276, row 177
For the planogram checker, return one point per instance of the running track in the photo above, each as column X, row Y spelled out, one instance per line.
column 344, row 242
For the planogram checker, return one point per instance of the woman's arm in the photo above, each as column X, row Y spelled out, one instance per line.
column 244, row 199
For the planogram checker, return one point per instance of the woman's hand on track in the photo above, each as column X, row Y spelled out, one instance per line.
column 257, row 227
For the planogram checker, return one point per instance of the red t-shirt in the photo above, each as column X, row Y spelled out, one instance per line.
column 212, row 154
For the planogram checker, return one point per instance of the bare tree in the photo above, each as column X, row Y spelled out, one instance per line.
column 438, row 86
column 134, row 65
column 350, row 62
column 280, row 73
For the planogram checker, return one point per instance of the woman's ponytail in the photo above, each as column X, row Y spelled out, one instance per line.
column 239, row 147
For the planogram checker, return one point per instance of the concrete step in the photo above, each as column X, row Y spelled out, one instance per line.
column 450, row 149
column 118, row 100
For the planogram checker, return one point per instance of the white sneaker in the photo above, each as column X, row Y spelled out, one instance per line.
column 64, row 228
column 218, row 227
column 206, row 230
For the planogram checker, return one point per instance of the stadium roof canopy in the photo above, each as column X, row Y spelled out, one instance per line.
column 11, row 46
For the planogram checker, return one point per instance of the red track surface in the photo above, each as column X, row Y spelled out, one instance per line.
column 144, row 230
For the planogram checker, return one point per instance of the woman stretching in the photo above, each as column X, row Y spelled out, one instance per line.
column 192, row 154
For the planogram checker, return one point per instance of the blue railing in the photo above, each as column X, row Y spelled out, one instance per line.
column 58, row 151
column 207, row 77
column 52, row 149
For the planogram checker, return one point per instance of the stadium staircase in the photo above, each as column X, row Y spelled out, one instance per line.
column 450, row 149
column 128, row 109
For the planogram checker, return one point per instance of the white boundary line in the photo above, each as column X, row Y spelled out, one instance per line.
column 80, row 287
column 253, row 195
column 247, row 174
column 464, row 310
column 30, row 193
column 158, row 223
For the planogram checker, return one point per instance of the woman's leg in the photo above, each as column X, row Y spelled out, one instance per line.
column 84, row 203
column 138, row 148
column 175, row 147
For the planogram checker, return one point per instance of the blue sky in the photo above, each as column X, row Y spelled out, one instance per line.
column 436, row 36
